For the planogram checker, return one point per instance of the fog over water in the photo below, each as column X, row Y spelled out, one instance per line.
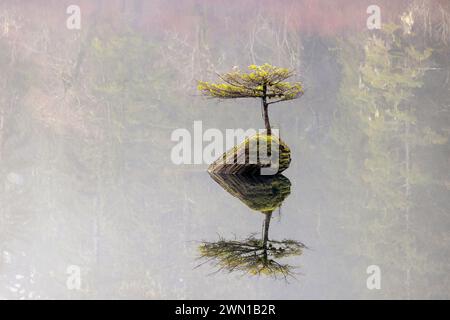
column 87, row 182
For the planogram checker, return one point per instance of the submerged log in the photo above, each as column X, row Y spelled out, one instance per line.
column 260, row 154
column 260, row 193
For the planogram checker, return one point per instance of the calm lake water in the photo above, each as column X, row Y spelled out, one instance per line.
column 92, row 206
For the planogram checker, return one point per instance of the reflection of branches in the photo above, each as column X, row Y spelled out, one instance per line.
column 251, row 256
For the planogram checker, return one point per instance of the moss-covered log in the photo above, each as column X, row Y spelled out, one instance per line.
column 253, row 154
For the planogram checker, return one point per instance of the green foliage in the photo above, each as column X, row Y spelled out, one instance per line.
column 376, row 94
column 262, row 81
column 380, row 126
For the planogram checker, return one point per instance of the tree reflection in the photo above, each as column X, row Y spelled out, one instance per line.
column 254, row 256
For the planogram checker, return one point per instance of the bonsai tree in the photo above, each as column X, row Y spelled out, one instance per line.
column 265, row 82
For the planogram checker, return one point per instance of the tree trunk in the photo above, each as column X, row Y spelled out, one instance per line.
column 266, row 111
